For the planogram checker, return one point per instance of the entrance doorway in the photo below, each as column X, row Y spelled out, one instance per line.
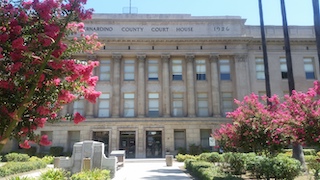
column 153, row 144
column 102, row 136
column 128, row 143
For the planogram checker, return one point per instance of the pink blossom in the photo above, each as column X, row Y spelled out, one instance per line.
column 25, row 145
column 78, row 118
column 44, row 141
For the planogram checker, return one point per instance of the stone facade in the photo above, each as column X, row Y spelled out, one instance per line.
column 167, row 80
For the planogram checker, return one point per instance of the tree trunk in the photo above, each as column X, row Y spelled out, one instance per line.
column 297, row 153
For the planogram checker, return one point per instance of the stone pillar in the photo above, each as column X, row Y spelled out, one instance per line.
column 215, row 88
column 190, row 86
column 166, row 85
column 116, row 86
column 242, row 76
column 141, row 86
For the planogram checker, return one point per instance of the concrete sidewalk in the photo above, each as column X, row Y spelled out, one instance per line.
column 135, row 169
column 151, row 169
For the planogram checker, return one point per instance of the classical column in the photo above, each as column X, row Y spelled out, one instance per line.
column 89, row 107
column 165, row 86
column 190, row 86
column 141, row 86
column 242, row 76
column 215, row 88
column 116, row 86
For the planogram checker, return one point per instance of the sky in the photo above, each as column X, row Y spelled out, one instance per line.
column 299, row 12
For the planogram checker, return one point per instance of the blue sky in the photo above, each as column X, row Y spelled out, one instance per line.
column 299, row 12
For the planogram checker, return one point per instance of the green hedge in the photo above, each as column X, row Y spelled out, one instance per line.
column 17, row 157
column 11, row 168
column 280, row 167
column 96, row 174
column 56, row 151
column 211, row 157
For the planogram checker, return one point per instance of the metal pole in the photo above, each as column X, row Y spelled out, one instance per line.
column 265, row 55
column 287, row 47
column 316, row 20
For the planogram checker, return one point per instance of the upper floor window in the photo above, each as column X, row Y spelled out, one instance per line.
column 104, row 105
column 153, row 105
column 176, row 69
column 309, row 68
column 200, row 69
column 177, row 104
column 203, row 109
column 283, row 68
column 129, row 70
column 260, row 69
column 128, row 105
column 153, row 68
column 79, row 106
column 225, row 69
column 227, row 102
column 104, row 70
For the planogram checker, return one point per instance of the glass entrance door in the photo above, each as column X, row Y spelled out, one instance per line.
column 153, row 144
column 102, row 136
column 128, row 143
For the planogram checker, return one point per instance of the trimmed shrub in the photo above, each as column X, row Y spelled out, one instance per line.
column 48, row 159
column 55, row 174
column 56, row 151
column 279, row 167
column 211, row 157
column 31, row 151
column 314, row 165
column 183, row 157
column 17, row 157
column 236, row 161
column 96, row 174
column 307, row 152
column 195, row 149
column 11, row 168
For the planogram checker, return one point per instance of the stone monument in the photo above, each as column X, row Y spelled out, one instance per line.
column 87, row 155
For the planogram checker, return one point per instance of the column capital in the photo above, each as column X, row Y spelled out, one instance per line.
column 165, row 57
column 141, row 57
column 214, row 57
column 241, row 57
column 190, row 57
column 116, row 57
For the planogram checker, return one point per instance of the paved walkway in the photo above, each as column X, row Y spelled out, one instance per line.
column 136, row 169
column 151, row 169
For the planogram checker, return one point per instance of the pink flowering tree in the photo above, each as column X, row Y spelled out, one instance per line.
column 304, row 111
column 38, row 75
column 256, row 127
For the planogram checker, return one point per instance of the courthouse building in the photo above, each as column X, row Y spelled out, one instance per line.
column 168, row 80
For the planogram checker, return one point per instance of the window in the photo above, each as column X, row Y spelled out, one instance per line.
column 177, row 104
column 176, row 69
column 227, row 102
column 153, row 105
column 153, row 68
column 203, row 109
column 128, row 105
column 78, row 106
column 129, row 70
column 200, row 69
column 225, row 69
column 204, row 138
column 104, row 70
column 73, row 137
column 260, row 69
column 283, row 68
column 309, row 68
column 104, row 105
column 179, row 140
